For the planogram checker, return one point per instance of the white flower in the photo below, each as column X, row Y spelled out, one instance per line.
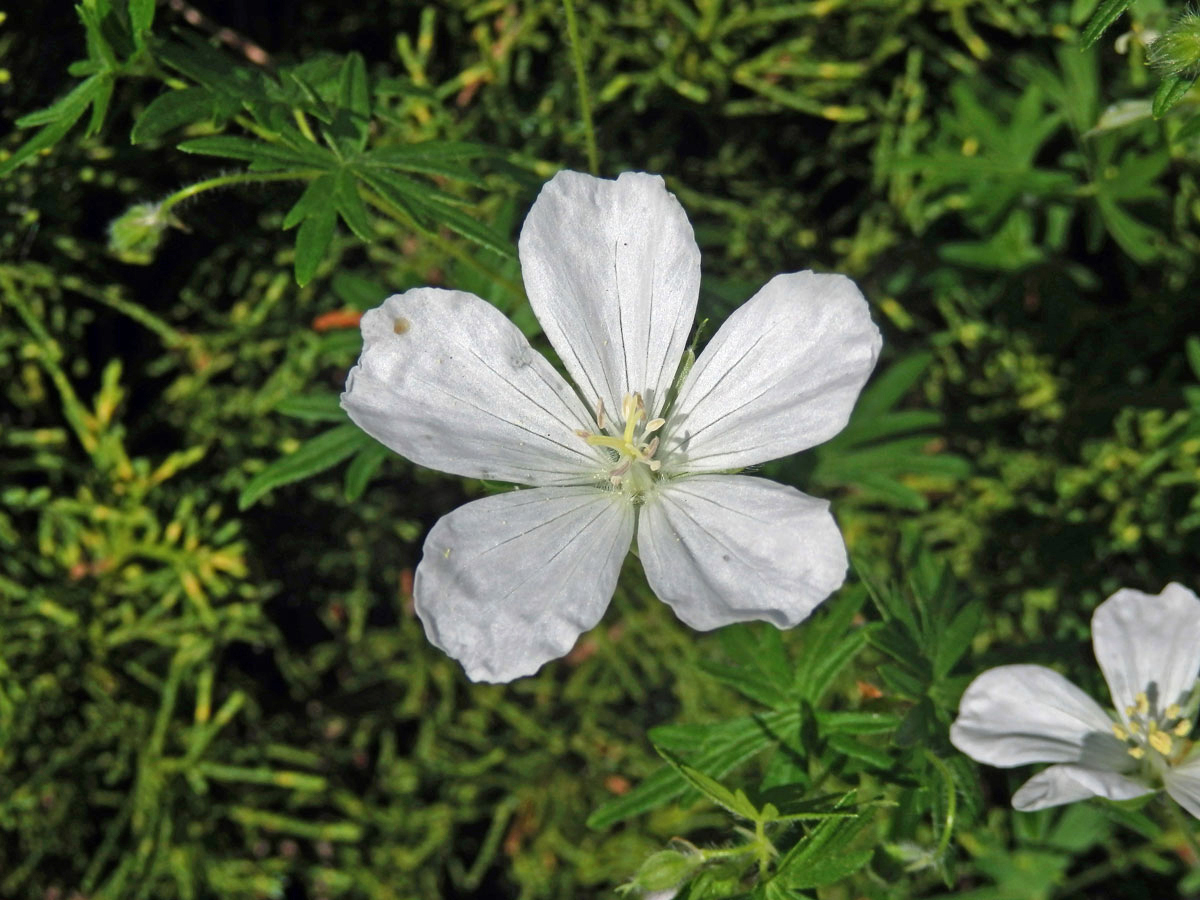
column 1148, row 647
column 612, row 270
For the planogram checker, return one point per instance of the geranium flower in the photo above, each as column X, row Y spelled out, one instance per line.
column 612, row 271
column 1148, row 646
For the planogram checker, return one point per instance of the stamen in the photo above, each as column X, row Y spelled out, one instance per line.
column 584, row 434
column 654, row 425
column 1137, row 752
column 600, row 414
column 1135, row 726
column 1121, row 733
column 1161, row 742
column 1183, row 729
column 1143, row 704
column 1173, row 711
column 649, row 448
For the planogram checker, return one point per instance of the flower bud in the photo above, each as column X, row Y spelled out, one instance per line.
column 1177, row 49
column 134, row 236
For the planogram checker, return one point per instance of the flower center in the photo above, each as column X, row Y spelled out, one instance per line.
column 634, row 446
column 1165, row 734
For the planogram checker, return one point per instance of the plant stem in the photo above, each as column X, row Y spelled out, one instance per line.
column 585, row 101
column 227, row 180
column 1180, row 821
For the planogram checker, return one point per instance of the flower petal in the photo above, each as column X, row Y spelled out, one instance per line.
column 1013, row 715
column 612, row 272
column 780, row 375
column 447, row 381
column 1183, row 784
column 1148, row 642
column 729, row 548
column 1066, row 784
column 509, row 582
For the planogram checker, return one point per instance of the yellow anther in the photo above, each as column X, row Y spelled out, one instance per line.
column 1173, row 711
column 1183, row 729
column 1121, row 733
column 1137, row 752
column 654, row 425
column 1143, row 704
column 1135, row 727
column 1161, row 741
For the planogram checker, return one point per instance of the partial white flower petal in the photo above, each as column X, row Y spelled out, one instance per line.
column 447, row 381
column 1066, row 784
column 730, row 548
column 509, row 582
column 1148, row 642
column 612, row 272
column 780, row 375
column 1183, row 784
column 1013, row 715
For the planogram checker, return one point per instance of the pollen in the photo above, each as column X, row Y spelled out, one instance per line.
column 1145, row 729
column 634, row 451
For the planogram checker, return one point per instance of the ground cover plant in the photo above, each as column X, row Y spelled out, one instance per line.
column 213, row 678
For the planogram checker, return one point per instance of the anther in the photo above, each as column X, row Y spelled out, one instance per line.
column 1121, row 733
column 1161, row 741
column 1182, row 729
column 1143, row 704
column 1173, row 711
column 583, row 434
column 654, row 425
column 1137, row 752
column 600, row 413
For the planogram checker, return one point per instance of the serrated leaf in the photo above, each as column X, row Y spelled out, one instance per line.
column 1172, row 89
column 316, row 455
column 735, row 802
column 1109, row 12
column 831, row 868
column 312, row 241
column 363, row 468
column 313, row 408
column 172, row 110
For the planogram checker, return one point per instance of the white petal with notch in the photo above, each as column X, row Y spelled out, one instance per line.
column 612, row 271
column 509, row 582
column 447, row 381
column 730, row 548
column 781, row 375
column 1148, row 642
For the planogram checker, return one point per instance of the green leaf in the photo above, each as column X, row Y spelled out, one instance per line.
column 721, row 747
column 350, row 205
column 312, row 241
column 363, row 468
column 354, row 102
column 316, row 199
column 58, row 119
column 313, row 408
column 261, row 153
column 316, row 455
column 821, row 858
column 172, row 110
column 956, row 639
column 735, row 802
column 1193, row 354
column 141, row 17
column 1109, row 12
column 1189, row 129
column 1172, row 89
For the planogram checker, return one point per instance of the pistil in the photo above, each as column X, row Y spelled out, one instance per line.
column 629, row 449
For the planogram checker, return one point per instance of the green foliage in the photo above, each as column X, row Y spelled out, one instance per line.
column 212, row 681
